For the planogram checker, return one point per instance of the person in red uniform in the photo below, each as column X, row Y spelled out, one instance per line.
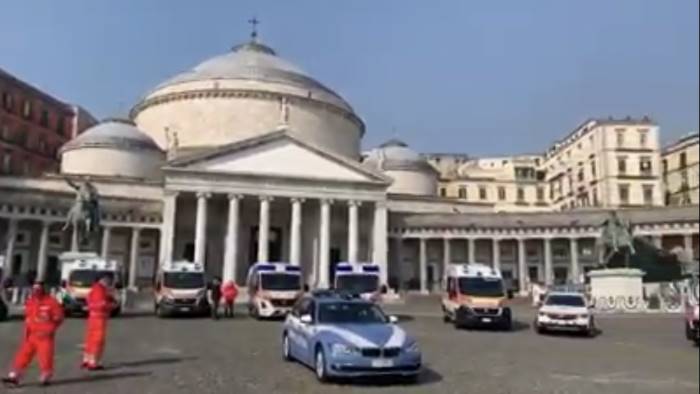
column 229, row 292
column 100, row 304
column 42, row 317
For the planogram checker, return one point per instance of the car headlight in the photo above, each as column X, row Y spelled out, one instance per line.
column 339, row 349
column 412, row 348
column 542, row 314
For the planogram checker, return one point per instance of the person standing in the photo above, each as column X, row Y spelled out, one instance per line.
column 43, row 316
column 100, row 305
column 215, row 297
column 230, row 292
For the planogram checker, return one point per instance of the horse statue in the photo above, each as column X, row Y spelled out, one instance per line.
column 616, row 237
column 84, row 215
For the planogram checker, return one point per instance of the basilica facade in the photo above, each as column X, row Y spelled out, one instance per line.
column 246, row 158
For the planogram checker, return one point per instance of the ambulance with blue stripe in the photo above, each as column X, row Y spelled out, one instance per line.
column 339, row 335
column 273, row 288
column 362, row 279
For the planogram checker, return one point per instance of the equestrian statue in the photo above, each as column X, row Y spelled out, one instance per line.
column 84, row 216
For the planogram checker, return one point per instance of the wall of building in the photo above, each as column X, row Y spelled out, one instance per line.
column 112, row 162
column 680, row 171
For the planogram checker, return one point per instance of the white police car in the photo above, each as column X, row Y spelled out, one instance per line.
column 342, row 336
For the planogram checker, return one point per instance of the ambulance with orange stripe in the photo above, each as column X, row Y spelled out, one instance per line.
column 475, row 296
column 273, row 288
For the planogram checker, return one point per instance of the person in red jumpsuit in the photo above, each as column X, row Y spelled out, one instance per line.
column 42, row 317
column 100, row 304
column 229, row 292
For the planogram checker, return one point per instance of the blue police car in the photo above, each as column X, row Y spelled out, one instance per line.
column 339, row 335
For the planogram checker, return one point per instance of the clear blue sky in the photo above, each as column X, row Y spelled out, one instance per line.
column 480, row 77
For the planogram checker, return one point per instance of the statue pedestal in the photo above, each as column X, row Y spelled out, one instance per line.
column 617, row 290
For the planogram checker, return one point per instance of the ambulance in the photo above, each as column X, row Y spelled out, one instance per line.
column 361, row 279
column 181, row 288
column 273, row 288
column 79, row 271
column 475, row 296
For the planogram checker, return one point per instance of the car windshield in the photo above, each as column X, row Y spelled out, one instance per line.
column 481, row 287
column 86, row 278
column 565, row 300
column 280, row 282
column 184, row 280
column 357, row 284
column 350, row 313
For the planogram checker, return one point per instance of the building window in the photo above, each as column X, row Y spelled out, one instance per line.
column 7, row 163
column 60, row 128
column 44, row 119
column 594, row 170
column 521, row 194
column 462, row 192
column 664, row 164
column 483, row 195
column 643, row 138
column 27, row 109
column 5, row 132
column 501, row 193
column 443, row 192
column 622, row 165
column 684, row 160
column 594, row 193
column 7, row 101
column 624, row 191
column 648, row 194
column 645, row 167
column 540, row 194
column 620, row 138
column 581, row 175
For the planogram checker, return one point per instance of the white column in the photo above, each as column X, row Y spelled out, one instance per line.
column 379, row 241
column 688, row 245
column 548, row 269
column 446, row 257
column 10, row 248
column 496, row 253
column 398, row 256
column 324, row 245
column 471, row 250
column 353, row 231
column 295, row 232
column 74, row 242
column 200, row 235
column 43, row 249
column 575, row 270
column 523, row 273
column 167, row 227
column 264, row 229
column 106, row 237
column 134, row 257
column 423, row 265
column 231, row 246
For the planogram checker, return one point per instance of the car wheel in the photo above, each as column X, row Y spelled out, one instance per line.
column 320, row 365
column 540, row 330
column 286, row 351
column 507, row 324
column 159, row 311
column 445, row 317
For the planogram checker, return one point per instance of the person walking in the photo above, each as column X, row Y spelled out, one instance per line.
column 215, row 297
column 43, row 316
column 100, row 305
column 230, row 292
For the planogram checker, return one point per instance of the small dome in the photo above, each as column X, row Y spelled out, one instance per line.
column 112, row 133
column 396, row 155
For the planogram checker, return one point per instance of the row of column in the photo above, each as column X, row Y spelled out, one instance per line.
column 295, row 231
column 42, row 253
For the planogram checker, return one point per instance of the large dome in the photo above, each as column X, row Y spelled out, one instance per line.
column 112, row 148
column 244, row 93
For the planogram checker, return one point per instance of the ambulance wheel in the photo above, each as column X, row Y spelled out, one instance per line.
column 320, row 365
column 160, row 312
column 286, row 351
column 445, row 318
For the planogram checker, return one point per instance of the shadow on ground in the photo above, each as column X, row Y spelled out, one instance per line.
column 427, row 377
column 97, row 378
column 152, row 361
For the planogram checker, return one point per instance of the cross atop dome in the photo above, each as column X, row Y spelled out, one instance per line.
column 254, row 22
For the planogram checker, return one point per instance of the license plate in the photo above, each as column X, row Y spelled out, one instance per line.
column 382, row 363
column 185, row 309
column 486, row 320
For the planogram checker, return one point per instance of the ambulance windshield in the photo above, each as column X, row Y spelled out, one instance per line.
column 183, row 280
column 357, row 284
column 481, row 287
column 86, row 278
column 280, row 282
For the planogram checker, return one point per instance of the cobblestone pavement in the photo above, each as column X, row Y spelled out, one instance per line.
column 633, row 354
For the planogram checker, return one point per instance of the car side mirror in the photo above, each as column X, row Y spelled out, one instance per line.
column 306, row 319
column 384, row 289
column 306, row 288
column 393, row 319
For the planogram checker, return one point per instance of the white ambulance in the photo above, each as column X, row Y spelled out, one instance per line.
column 181, row 288
column 79, row 271
column 475, row 295
column 361, row 279
column 273, row 288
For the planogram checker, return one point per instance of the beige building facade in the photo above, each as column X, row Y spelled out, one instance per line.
column 680, row 163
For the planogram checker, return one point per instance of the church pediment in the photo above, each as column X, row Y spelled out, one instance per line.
column 278, row 154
